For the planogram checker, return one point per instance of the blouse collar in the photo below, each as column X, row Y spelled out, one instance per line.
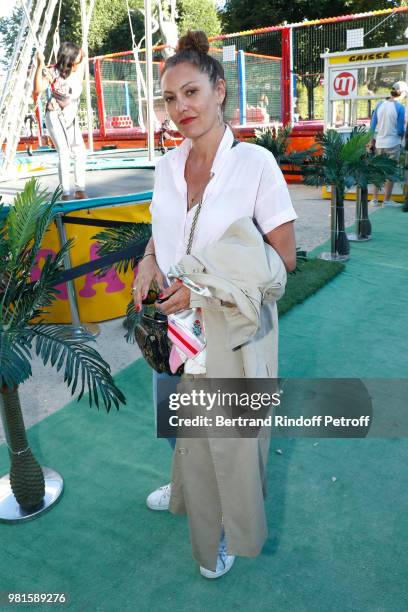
column 183, row 150
column 181, row 154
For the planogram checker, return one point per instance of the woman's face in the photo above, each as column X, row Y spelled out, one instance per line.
column 191, row 101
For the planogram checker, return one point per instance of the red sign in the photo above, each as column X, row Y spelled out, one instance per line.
column 344, row 83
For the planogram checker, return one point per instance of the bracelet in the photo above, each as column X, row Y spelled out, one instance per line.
column 147, row 255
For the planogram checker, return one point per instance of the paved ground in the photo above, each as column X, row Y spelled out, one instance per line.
column 45, row 392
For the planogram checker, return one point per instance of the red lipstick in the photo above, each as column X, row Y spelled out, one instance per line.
column 187, row 120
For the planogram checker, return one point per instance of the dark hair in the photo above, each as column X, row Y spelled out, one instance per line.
column 67, row 54
column 192, row 48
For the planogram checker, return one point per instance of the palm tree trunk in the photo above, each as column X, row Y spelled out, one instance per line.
column 342, row 243
column 310, row 101
column 26, row 475
column 364, row 226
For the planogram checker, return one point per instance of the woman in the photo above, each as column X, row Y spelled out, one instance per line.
column 228, row 183
column 61, row 117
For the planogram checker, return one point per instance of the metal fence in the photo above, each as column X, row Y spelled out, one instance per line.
column 272, row 74
column 122, row 93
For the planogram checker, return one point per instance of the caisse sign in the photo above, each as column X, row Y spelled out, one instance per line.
column 343, row 84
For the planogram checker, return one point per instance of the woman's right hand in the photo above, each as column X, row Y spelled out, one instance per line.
column 147, row 272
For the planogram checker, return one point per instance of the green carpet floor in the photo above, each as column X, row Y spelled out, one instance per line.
column 333, row 545
column 311, row 275
column 357, row 325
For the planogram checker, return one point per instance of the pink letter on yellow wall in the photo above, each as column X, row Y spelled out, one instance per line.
column 36, row 272
column 111, row 278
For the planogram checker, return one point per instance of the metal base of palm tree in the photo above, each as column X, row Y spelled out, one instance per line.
column 362, row 224
column 355, row 238
column 10, row 509
column 328, row 256
column 88, row 328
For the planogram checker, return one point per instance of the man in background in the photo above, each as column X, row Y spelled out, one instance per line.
column 388, row 123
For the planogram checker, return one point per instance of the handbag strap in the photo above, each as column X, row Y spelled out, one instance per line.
column 197, row 212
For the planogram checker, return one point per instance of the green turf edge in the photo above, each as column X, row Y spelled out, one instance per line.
column 310, row 276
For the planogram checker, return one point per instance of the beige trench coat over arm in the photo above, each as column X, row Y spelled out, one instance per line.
column 219, row 481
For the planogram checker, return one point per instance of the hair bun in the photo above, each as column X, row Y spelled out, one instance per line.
column 194, row 41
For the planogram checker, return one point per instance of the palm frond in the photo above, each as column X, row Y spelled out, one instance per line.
column 119, row 238
column 274, row 140
column 298, row 158
column 132, row 319
column 331, row 143
column 15, row 356
column 23, row 218
column 373, row 169
column 4, row 247
column 30, row 300
column 355, row 147
column 384, row 167
column 314, row 173
column 83, row 365
column 43, row 225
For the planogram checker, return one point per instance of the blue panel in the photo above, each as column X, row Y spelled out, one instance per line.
column 242, row 88
column 127, row 102
column 67, row 207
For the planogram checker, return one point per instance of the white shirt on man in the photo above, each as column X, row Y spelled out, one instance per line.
column 388, row 122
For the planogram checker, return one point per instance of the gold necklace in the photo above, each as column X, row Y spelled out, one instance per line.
column 199, row 192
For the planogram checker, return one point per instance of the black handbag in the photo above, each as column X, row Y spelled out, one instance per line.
column 154, row 344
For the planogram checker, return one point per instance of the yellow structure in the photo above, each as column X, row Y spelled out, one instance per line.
column 99, row 297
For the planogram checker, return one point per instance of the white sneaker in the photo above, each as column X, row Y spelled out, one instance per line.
column 224, row 563
column 160, row 498
column 392, row 204
column 376, row 203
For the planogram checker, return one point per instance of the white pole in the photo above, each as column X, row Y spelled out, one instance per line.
column 292, row 79
column 85, row 21
column 30, row 25
column 149, row 79
column 17, row 50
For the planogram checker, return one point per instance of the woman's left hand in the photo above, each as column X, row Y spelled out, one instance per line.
column 178, row 299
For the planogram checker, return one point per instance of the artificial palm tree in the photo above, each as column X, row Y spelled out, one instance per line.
column 276, row 140
column 22, row 229
column 343, row 164
column 330, row 168
column 365, row 170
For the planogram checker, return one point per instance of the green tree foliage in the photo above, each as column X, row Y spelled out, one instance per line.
column 309, row 42
column 9, row 29
column 109, row 30
column 240, row 15
column 198, row 15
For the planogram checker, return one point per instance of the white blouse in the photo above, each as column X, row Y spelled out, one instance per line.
column 246, row 182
